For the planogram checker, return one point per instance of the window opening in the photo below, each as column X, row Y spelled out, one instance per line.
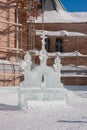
column 59, row 45
column 48, row 44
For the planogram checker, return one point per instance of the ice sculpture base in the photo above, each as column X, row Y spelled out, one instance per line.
column 47, row 94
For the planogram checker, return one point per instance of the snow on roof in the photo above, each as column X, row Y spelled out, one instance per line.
column 75, row 53
column 60, row 33
column 61, row 54
column 62, row 16
column 74, row 67
column 67, row 54
column 81, row 15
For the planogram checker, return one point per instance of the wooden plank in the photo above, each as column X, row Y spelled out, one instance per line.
column 9, row 48
column 14, row 24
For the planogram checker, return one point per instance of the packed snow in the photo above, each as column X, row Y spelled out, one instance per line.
column 69, row 115
column 61, row 16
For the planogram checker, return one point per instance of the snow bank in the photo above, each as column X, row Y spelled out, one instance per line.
column 8, row 96
column 78, row 98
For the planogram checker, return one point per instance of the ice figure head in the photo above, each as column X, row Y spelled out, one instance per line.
column 27, row 62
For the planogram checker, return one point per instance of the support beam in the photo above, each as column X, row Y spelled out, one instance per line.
column 12, row 49
column 14, row 24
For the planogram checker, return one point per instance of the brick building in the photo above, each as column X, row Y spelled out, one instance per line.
column 72, row 39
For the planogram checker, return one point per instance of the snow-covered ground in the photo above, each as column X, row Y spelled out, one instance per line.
column 45, row 116
column 70, row 114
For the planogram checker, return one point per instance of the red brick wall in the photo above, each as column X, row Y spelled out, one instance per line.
column 7, row 35
column 73, row 27
column 7, row 39
column 70, row 44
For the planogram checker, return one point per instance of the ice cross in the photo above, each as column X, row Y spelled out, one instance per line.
column 43, row 53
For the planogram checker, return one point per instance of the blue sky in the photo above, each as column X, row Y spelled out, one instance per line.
column 75, row 5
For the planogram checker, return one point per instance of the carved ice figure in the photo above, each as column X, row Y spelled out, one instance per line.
column 31, row 77
column 28, row 61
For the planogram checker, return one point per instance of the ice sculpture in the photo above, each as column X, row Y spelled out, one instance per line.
column 43, row 82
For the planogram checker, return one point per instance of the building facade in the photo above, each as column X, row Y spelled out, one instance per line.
column 20, row 23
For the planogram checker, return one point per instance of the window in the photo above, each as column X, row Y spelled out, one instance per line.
column 40, row 3
column 48, row 44
column 59, row 45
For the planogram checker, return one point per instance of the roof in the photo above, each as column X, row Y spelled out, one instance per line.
column 59, row 5
column 55, row 12
column 54, row 5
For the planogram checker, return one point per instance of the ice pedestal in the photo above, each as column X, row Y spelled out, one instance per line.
column 38, row 94
column 45, row 95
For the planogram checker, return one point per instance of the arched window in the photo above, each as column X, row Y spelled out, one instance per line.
column 48, row 44
column 59, row 45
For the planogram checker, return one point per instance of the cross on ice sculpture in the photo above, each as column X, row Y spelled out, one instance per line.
column 43, row 53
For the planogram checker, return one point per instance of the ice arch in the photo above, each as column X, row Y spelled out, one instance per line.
column 41, row 76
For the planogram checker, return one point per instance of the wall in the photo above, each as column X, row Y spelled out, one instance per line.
column 70, row 44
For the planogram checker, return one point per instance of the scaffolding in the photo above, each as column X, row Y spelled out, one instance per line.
column 17, row 24
column 17, row 35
